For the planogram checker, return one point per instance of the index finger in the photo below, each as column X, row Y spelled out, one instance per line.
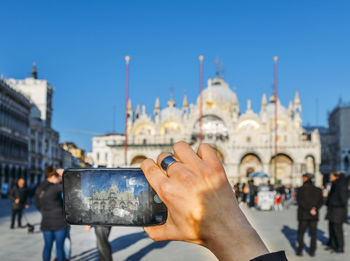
column 153, row 174
column 59, row 171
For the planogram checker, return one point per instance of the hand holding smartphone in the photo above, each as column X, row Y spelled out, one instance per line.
column 111, row 197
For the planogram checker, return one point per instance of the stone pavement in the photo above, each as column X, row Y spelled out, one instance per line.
column 278, row 229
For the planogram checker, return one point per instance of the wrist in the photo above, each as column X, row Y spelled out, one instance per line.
column 236, row 240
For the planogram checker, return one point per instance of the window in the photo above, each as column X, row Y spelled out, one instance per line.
column 106, row 156
column 98, row 156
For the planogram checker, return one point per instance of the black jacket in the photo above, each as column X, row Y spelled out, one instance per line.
column 48, row 200
column 309, row 196
column 22, row 194
column 337, row 201
column 277, row 256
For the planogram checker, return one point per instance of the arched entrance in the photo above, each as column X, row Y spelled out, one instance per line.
column 250, row 162
column 310, row 164
column 137, row 160
column 282, row 168
column 213, row 129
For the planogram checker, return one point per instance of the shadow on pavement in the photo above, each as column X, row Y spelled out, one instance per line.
column 119, row 244
column 144, row 251
column 291, row 235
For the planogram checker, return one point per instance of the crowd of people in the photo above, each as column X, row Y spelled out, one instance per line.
column 309, row 198
column 247, row 194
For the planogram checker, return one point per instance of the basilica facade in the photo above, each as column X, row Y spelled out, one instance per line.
column 244, row 140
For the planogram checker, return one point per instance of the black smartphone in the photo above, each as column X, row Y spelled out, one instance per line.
column 114, row 197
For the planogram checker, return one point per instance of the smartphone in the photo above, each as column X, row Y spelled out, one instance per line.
column 120, row 196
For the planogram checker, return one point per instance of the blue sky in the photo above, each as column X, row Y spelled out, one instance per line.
column 103, row 181
column 79, row 46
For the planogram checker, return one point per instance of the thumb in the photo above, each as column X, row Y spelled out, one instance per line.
column 158, row 233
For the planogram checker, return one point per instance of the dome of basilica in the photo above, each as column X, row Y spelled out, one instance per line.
column 170, row 111
column 218, row 92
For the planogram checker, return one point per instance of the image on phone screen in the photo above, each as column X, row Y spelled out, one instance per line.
column 111, row 197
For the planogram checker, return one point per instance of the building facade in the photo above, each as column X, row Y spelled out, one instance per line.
column 14, row 134
column 78, row 154
column 43, row 146
column 335, row 140
column 244, row 141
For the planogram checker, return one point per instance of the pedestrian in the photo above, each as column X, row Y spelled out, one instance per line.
column 310, row 200
column 48, row 200
column 237, row 191
column 271, row 188
column 19, row 198
column 337, row 203
column 252, row 193
column 278, row 202
column 103, row 246
column 245, row 191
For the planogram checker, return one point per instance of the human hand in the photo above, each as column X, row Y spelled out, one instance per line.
column 17, row 200
column 201, row 205
column 60, row 172
column 87, row 228
column 26, row 206
column 313, row 211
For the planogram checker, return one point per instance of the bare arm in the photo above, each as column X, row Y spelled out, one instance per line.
column 201, row 205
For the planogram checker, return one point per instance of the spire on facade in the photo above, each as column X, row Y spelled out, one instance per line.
column 157, row 104
column 290, row 106
column 297, row 98
column 129, row 111
column 137, row 113
column 34, row 71
column 264, row 100
column 143, row 110
column 185, row 102
column 156, row 110
column 209, row 82
column 129, row 105
column 297, row 103
column 249, row 105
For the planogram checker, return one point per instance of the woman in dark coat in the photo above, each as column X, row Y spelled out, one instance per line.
column 337, row 211
column 48, row 200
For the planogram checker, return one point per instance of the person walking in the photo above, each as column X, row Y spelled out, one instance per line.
column 19, row 198
column 310, row 200
column 337, row 203
column 48, row 200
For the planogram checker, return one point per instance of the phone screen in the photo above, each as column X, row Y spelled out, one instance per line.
column 111, row 197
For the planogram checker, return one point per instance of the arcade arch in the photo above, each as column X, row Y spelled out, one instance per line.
column 310, row 166
column 282, row 168
column 213, row 127
column 137, row 160
column 249, row 163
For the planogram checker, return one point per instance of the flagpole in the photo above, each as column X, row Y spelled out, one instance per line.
column 276, row 116
column 127, row 59
column 200, row 97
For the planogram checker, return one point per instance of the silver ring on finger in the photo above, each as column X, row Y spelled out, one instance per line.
column 167, row 161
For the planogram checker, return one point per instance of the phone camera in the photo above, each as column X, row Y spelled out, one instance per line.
column 157, row 199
